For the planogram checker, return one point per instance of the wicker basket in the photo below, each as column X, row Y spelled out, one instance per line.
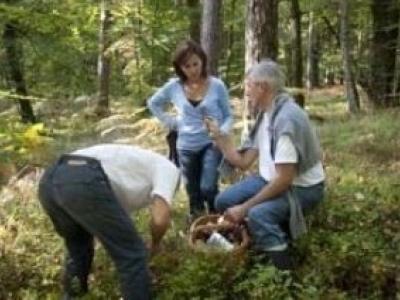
column 203, row 226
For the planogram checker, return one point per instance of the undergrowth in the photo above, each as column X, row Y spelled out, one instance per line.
column 351, row 251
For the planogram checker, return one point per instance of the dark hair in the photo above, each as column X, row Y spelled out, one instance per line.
column 182, row 54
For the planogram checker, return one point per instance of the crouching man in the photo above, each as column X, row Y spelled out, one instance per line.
column 90, row 193
column 291, row 176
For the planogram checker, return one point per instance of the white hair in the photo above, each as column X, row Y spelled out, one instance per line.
column 267, row 71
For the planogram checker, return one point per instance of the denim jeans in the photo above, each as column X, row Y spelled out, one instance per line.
column 77, row 196
column 200, row 169
column 268, row 220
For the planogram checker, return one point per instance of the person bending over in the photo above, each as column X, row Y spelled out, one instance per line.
column 90, row 193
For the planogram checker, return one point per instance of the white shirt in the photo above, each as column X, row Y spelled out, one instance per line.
column 135, row 174
column 285, row 153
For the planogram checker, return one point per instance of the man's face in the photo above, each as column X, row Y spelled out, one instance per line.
column 257, row 94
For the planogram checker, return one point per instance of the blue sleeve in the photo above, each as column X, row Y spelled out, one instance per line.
column 157, row 105
column 227, row 119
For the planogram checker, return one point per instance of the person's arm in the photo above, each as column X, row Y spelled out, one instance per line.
column 223, row 99
column 159, row 223
column 224, row 142
column 281, row 183
column 165, row 178
column 157, row 104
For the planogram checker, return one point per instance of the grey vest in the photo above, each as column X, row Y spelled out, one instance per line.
column 287, row 118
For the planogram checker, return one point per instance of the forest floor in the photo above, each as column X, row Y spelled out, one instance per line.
column 351, row 251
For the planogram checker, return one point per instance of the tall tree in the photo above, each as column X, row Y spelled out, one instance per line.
column 261, row 39
column 261, row 33
column 313, row 54
column 195, row 19
column 396, row 79
column 385, row 16
column 297, row 56
column 14, row 54
column 210, row 32
column 349, row 81
column 230, row 40
column 104, row 61
column 138, row 54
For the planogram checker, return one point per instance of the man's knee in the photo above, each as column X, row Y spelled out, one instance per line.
column 257, row 217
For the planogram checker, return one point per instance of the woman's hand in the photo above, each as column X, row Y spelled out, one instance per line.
column 212, row 127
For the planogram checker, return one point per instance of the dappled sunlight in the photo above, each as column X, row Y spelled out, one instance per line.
column 74, row 74
column 352, row 234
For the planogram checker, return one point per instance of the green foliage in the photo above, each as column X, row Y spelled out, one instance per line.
column 60, row 45
column 351, row 251
column 265, row 282
column 201, row 276
column 59, row 41
column 22, row 143
column 22, row 232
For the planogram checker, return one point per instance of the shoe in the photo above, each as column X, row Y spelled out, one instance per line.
column 282, row 260
column 74, row 287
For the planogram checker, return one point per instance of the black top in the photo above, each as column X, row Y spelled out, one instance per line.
column 194, row 102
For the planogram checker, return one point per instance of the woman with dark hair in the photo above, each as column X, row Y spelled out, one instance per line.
column 196, row 96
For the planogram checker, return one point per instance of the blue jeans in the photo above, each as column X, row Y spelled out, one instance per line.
column 81, row 204
column 268, row 221
column 200, row 169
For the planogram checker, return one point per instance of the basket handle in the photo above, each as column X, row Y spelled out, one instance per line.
column 212, row 227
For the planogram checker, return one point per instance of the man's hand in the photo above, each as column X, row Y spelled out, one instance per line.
column 236, row 214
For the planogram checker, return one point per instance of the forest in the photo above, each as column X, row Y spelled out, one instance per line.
column 78, row 73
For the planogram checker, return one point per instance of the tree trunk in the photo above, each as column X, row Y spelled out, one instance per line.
column 104, row 62
column 332, row 30
column 261, row 33
column 385, row 15
column 138, row 56
column 351, row 91
column 288, row 59
column 396, row 76
column 271, row 29
column 13, row 54
column 195, row 20
column 261, row 39
column 229, row 46
column 313, row 55
column 210, row 32
column 297, row 56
